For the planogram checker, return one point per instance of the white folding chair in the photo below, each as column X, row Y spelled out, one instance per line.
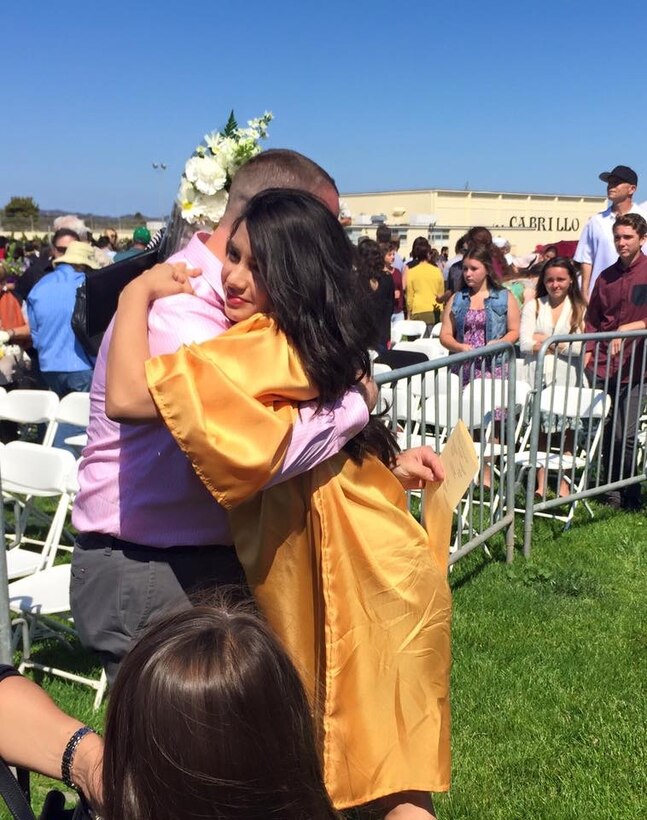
column 412, row 328
column 31, row 407
column 585, row 408
column 41, row 601
column 42, row 604
column 31, row 471
column 431, row 348
column 75, row 409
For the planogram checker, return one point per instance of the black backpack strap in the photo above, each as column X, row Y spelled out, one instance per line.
column 13, row 795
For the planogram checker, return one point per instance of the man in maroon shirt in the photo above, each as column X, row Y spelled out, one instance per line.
column 619, row 302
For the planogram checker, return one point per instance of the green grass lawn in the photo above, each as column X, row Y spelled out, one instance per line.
column 548, row 684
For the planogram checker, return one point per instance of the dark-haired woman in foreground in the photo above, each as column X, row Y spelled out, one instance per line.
column 336, row 562
column 208, row 718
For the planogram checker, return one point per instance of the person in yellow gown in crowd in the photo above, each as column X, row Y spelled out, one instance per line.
column 341, row 570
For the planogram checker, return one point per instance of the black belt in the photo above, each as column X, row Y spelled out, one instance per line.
column 101, row 541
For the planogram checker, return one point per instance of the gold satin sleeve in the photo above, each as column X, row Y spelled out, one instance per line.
column 230, row 404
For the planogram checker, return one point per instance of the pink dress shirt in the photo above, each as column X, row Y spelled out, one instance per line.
column 135, row 482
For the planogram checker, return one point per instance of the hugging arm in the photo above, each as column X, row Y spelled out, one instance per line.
column 316, row 435
column 127, row 396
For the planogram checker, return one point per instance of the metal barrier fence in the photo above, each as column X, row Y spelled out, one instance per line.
column 426, row 400
column 568, row 416
column 587, row 427
column 589, row 432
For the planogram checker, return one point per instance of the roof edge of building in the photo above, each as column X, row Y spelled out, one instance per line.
column 469, row 191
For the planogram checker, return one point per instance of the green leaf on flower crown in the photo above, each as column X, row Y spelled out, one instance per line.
column 232, row 126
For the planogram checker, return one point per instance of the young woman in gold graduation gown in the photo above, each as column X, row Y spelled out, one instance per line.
column 341, row 570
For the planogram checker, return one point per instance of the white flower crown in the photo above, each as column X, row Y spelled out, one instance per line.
column 205, row 183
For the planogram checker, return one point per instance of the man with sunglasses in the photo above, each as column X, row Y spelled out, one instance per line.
column 596, row 250
column 45, row 262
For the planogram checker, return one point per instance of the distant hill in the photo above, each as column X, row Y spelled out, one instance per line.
column 51, row 216
column 95, row 222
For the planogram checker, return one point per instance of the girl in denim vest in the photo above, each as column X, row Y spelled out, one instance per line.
column 481, row 313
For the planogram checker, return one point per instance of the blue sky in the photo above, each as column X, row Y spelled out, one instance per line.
column 515, row 96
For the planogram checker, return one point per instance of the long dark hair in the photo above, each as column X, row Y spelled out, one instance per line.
column 208, row 718
column 578, row 303
column 306, row 264
column 482, row 254
column 370, row 260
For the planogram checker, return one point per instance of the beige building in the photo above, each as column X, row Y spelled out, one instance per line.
column 443, row 215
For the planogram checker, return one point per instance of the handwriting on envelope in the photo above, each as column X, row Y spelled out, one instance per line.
column 460, row 462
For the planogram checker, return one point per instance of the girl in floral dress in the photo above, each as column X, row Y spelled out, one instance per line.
column 481, row 313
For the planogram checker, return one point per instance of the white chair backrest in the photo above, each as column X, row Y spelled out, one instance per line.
column 379, row 368
column 575, row 402
column 74, row 409
column 493, row 393
column 29, row 406
column 435, row 330
column 407, row 327
column 431, row 348
column 523, row 370
column 34, row 469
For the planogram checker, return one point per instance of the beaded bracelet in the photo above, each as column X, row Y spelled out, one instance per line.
column 68, row 755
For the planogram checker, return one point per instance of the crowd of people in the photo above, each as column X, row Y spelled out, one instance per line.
column 231, row 445
column 39, row 288
column 485, row 295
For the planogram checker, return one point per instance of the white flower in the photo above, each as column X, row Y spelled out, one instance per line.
column 260, row 124
column 213, row 207
column 204, row 186
column 223, row 148
column 187, row 199
column 206, row 173
column 197, row 207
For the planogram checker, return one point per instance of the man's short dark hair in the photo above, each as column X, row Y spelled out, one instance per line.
column 61, row 232
column 635, row 221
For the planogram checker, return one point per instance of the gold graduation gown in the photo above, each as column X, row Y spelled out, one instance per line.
column 342, row 571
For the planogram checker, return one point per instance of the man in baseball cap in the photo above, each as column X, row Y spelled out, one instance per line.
column 621, row 173
column 141, row 238
column 596, row 250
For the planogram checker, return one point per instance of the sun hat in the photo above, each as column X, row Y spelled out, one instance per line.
column 623, row 172
column 79, row 253
column 142, row 235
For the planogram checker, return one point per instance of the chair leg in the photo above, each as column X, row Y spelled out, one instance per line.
column 101, row 690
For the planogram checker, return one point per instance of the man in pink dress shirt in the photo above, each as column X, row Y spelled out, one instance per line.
column 150, row 534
